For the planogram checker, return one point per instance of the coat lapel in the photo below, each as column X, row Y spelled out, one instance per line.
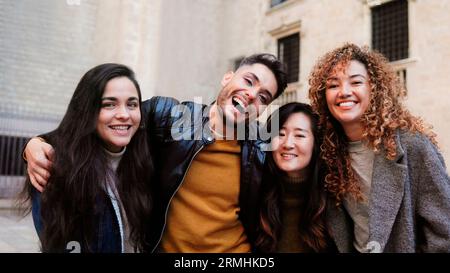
column 386, row 196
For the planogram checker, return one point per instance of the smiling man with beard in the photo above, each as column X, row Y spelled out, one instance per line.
column 207, row 188
column 244, row 96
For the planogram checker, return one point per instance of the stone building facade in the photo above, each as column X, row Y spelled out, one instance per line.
column 202, row 39
column 46, row 46
column 181, row 48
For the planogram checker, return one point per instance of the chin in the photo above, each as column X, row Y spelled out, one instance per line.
column 347, row 120
column 121, row 144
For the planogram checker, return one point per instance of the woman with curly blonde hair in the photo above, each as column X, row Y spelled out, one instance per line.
column 384, row 173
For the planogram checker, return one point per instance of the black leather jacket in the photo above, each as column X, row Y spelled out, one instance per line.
column 172, row 157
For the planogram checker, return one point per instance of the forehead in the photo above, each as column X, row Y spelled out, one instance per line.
column 298, row 120
column 352, row 67
column 266, row 77
column 120, row 86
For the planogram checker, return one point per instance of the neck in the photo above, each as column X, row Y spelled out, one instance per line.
column 299, row 175
column 217, row 124
column 115, row 153
column 354, row 132
column 114, row 158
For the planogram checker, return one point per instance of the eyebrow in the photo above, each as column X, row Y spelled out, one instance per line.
column 296, row 129
column 357, row 75
column 115, row 99
column 262, row 89
column 253, row 76
column 351, row 77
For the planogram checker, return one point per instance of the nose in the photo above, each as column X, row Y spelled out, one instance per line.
column 345, row 90
column 288, row 142
column 122, row 113
column 251, row 93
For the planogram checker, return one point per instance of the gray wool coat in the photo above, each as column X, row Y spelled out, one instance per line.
column 409, row 204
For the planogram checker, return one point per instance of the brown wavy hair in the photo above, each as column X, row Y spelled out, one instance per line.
column 383, row 117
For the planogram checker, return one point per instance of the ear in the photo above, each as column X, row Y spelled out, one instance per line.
column 227, row 77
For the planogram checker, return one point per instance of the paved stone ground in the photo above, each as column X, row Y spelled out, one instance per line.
column 17, row 234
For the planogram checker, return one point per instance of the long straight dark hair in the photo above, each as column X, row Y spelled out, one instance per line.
column 75, row 194
column 312, row 230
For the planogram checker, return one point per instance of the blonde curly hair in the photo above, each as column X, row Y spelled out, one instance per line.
column 384, row 115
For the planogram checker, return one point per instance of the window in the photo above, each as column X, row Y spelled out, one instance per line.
column 289, row 54
column 401, row 73
column 273, row 3
column 390, row 29
column 11, row 162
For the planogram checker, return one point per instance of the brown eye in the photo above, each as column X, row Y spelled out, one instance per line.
column 108, row 105
column 263, row 98
column 133, row 104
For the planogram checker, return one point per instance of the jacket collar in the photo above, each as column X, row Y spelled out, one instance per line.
column 386, row 194
column 251, row 132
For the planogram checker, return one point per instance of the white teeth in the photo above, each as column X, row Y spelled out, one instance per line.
column 347, row 103
column 288, row 156
column 119, row 127
column 241, row 104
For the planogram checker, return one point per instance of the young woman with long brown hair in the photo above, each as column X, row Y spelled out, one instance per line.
column 98, row 196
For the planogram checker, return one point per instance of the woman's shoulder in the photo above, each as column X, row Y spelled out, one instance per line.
column 418, row 145
column 414, row 139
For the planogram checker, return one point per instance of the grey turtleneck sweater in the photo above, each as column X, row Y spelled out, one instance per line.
column 362, row 164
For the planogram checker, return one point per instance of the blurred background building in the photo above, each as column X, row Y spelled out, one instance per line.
column 181, row 48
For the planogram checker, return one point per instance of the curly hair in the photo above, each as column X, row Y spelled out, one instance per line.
column 384, row 115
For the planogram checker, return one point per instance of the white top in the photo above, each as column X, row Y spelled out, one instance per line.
column 111, row 183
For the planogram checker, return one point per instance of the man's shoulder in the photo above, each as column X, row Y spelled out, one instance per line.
column 164, row 110
column 160, row 103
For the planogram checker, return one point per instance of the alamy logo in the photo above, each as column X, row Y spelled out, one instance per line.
column 73, row 247
column 373, row 247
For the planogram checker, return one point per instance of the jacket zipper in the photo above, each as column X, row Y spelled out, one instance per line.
column 170, row 200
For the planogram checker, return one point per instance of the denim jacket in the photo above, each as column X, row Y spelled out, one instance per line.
column 107, row 237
